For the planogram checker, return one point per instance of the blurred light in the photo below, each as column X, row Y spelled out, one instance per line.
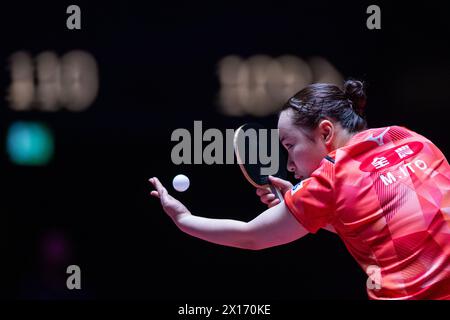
column 229, row 101
column 276, row 81
column 29, row 144
column 260, row 85
column 289, row 74
column 325, row 72
column 79, row 80
column 70, row 82
column 21, row 91
column 229, row 69
column 234, row 77
column 259, row 102
column 49, row 81
column 258, row 70
column 297, row 75
column 243, row 85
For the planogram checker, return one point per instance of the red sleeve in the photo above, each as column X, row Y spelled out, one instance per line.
column 312, row 201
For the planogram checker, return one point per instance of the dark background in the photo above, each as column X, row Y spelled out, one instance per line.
column 157, row 65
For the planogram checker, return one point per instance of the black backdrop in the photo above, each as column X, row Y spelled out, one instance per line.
column 157, row 65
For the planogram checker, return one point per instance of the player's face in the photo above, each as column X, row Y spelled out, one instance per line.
column 305, row 149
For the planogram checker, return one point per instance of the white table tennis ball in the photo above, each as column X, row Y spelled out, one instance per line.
column 180, row 183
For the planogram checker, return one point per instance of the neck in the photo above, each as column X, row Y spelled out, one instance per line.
column 342, row 137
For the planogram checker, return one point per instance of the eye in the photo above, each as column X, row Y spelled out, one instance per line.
column 288, row 146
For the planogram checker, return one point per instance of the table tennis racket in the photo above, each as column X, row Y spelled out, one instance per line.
column 245, row 143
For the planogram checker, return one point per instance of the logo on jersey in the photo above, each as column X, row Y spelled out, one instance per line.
column 298, row 186
column 391, row 157
column 379, row 138
column 374, row 280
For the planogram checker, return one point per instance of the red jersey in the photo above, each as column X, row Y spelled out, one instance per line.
column 387, row 195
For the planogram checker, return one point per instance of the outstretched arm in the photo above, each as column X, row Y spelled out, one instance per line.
column 273, row 227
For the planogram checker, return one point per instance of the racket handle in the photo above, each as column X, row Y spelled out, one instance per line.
column 276, row 192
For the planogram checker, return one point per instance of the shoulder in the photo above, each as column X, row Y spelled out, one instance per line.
column 383, row 135
column 374, row 148
column 375, row 140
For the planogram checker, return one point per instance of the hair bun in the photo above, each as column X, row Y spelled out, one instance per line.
column 354, row 91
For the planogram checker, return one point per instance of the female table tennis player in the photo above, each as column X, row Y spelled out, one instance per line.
column 384, row 191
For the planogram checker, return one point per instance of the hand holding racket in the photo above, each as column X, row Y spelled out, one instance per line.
column 268, row 197
column 270, row 189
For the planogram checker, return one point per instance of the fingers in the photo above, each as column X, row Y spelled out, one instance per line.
column 154, row 194
column 160, row 190
column 158, row 185
column 274, row 203
column 268, row 198
column 262, row 191
column 281, row 184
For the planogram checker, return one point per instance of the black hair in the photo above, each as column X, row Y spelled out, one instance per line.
column 327, row 101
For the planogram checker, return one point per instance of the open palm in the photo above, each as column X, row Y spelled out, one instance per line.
column 174, row 208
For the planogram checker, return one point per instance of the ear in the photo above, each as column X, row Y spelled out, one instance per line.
column 326, row 131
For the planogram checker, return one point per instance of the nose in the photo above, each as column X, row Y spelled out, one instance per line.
column 290, row 165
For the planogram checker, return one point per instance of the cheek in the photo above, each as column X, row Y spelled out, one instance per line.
column 306, row 159
column 301, row 158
